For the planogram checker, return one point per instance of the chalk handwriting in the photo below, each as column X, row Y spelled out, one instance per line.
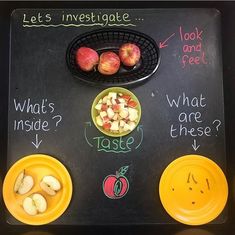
column 86, row 19
column 193, row 53
column 190, row 122
column 38, row 116
column 114, row 144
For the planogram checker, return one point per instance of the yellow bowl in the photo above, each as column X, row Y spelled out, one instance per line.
column 101, row 95
column 38, row 165
column 193, row 190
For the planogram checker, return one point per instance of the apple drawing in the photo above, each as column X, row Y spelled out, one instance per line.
column 116, row 186
column 129, row 54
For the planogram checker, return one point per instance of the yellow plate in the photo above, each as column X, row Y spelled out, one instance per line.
column 38, row 165
column 193, row 190
column 101, row 95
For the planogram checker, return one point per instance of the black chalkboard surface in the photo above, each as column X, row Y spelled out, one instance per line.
column 182, row 107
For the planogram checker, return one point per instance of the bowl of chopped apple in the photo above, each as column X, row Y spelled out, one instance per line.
column 116, row 111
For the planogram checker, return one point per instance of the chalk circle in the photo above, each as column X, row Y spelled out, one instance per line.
column 38, row 165
column 101, row 95
column 193, row 190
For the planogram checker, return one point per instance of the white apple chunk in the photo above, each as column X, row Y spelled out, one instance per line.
column 124, row 113
column 110, row 113
column 23, row 183
column 50, row 185
column 133, row 114
column 115, row 117
column 114, row 126
column 99, row 121
column 103, row 114
column 121, row 123
column 34, row 204
column 98, row 107
column 112, row 95
column 126, row 127
column 104, row 101
column 132, row 125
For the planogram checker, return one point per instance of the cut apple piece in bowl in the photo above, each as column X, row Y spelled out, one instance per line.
column 116, row 111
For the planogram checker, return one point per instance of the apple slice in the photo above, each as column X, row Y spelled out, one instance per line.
column 124, row 113
column 114, row 126
column 34, row 204
column 110, row 113
column 98, row 107
column 23, row 183
column 132, row 104
column 107, row 126
column 50, row 185
column 112, row 95
column 99, row 121
column 133, row 114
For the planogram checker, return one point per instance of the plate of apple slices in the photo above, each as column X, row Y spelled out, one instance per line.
column 113, row 57
column 116, row 111
column 37, row 189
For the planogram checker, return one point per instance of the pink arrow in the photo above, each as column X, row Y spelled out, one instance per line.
column 163, row 44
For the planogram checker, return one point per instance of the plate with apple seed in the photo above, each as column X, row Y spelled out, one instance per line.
column 116, row 111
column 113, row 57
column 37, row 189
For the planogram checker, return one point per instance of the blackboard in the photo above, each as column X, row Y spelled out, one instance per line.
column 42, row 89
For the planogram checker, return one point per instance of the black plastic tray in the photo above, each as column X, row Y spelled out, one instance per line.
column 111, row 39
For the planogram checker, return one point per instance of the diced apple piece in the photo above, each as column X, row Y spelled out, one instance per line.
column 98, row 107
column 120, row 94
column 104, row 101
column 99, row 121
column 133, row 114
column 34, row 204
column 121, row 123
column 112, row 95
column 121, row 130
column 106, row 119
column 121, row 100
column 132, row 125
column 126, row 97
column 124, row 113
column 126, row 127
column 116, row 107
column 110, row 113
column 100, row 101
column 113, row 101
column 103, row 114
column 109, row 102
column 104, row 107
column 114, row 126
column 23, row 183
column 115, row 117
column 50, row 185
column 132, row 104
column 107, row 126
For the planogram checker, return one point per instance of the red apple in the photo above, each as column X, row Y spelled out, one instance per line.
column 87, row 58
column 116, row 186
column 109, row 63
column 129, row 54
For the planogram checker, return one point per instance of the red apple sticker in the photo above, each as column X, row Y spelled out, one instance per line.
column 116, row 186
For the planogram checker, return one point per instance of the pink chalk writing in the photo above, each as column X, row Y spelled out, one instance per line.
column 192, row 47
